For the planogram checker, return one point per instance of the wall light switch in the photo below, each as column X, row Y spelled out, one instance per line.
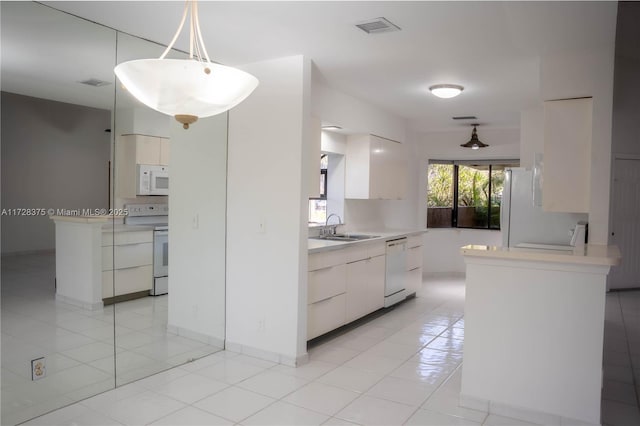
column 196, row 221
column 262, row 226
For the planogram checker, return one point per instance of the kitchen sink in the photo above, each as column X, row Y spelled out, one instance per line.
column 345, row 237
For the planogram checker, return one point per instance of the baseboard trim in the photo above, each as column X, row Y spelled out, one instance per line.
column 267, row 355
column 198, row 337
column 79, row 303
column 125, row 297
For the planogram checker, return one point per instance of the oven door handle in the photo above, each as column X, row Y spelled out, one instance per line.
column 160, row 233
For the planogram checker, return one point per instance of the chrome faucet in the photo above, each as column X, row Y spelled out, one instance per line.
column 327, row 230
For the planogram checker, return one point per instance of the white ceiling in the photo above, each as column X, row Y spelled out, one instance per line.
column 493, row 49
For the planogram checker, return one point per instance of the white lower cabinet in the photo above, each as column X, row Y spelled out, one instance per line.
column 126, row 280
column 325, row 315
column 414, row 265
column 127, row 262
column 339, row 292
column 414, row 280
column 365, row 287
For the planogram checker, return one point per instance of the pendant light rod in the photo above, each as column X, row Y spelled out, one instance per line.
column 175, row 36
column 196, row 42
column 186, row 89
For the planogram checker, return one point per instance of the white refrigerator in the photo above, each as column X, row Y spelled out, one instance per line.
column 522, row 221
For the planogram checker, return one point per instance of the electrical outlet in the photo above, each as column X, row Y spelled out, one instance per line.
column 38, row 368
column 261, row 226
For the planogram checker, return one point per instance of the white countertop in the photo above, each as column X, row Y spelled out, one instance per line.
column 85, row 219
column 317, row 245
column 591, row 254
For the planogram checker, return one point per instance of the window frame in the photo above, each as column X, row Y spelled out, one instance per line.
column 507, row 163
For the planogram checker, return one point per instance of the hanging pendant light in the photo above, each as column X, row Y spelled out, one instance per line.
column 474, row 142
column 186, row 88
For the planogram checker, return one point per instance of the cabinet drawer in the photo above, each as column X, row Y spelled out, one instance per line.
column 326, row 282
column 325, row 259
column 127, row 256
column 414, row 280
column 414, row 258
column 127, row 281
column 355, row 253
column 376, row 249
column 325, row 316
column 415, row 240
column 129, row 237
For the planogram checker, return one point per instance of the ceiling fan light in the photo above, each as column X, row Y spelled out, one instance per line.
column 446, row 91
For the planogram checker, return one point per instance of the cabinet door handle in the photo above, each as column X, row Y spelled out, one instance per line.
column 322, row 269
column 325, row 299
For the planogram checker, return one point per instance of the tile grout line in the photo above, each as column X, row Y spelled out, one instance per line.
column 626, row 335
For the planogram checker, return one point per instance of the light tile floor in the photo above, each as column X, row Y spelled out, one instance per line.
column 78, row 345
column 400, row 368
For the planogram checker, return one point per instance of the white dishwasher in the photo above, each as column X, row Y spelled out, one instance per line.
column 395, row 277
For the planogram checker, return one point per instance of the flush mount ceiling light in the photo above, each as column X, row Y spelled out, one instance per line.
column 446, row 91
column 331, row 127
column 186, row 88
column 474, row 142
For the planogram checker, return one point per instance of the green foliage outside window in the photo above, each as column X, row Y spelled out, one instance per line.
column 478, row 200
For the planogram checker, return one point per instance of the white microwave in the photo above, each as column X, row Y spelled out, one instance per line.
column 152, row 180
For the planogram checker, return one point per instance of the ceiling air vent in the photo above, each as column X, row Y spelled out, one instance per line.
column 377, row 25
column 465, row 117
column 95, row 82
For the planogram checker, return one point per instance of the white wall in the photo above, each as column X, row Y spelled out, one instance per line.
column 267, row 213
column 197, row 241
column 352, row 114
column 441, row 251
column 54, row 155
column 143, row 121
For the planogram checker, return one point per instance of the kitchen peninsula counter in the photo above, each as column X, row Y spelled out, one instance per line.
column 534, row 327
column 82, row 258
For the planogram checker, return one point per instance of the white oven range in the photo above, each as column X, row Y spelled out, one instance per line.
column 156, row 215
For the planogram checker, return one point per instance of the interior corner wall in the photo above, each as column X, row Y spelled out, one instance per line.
column 54, row 155
column 197, row 219
column 441, row 251
column 266, row 213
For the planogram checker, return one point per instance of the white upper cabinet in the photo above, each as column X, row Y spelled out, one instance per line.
column 566, row 184
column 376, row 168
column 132, row 150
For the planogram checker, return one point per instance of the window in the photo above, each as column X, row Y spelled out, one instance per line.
column 465, row 194
column 318, row 206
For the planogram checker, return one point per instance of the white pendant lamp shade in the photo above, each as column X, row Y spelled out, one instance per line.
column 186, row 88
column 182, row 86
